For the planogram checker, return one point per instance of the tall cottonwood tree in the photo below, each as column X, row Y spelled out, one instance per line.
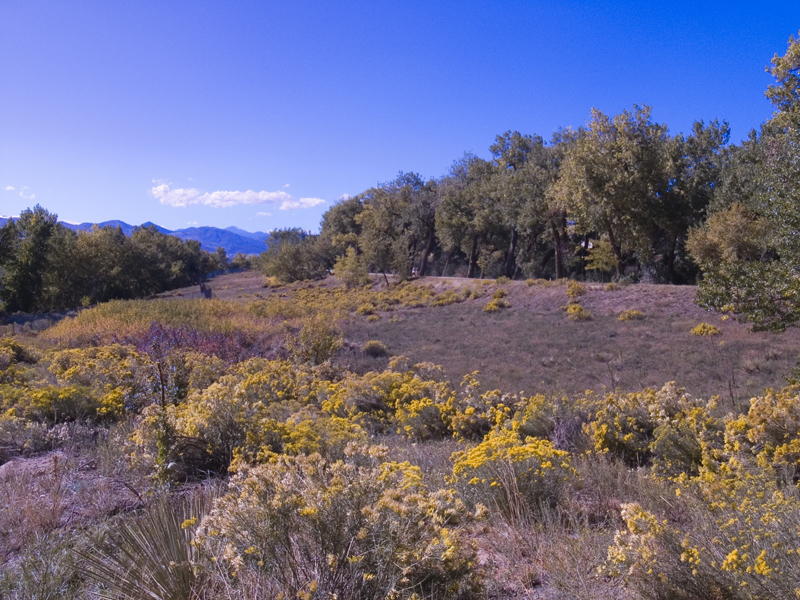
column 610, row 179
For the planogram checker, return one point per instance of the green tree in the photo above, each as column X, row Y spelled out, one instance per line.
column 25, row 256
column 469, row 216
column 750, row 251
column 295, row 255
column 611, row 177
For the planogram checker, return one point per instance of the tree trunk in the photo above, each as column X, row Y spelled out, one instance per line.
column 617, row 253
column 473, row 257
column 558, row 246
column 428, row 249
column 508, row 269
column 671, row 260
column 446, row 262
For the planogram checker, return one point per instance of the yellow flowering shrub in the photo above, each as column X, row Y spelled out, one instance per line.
column 728, row 533
column 14, row 358
column 575, row 290
column 359, row 528
column 516, row 476
column 576, row 312
column 471, row 414
column 56, row 404
column 665, row 425
column 117, row 372
column 412, row 399
column 449, row 296
column 560, row 420
column 496, row 304
column 705, row 329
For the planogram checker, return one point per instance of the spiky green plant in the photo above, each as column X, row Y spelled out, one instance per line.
column 149, row 557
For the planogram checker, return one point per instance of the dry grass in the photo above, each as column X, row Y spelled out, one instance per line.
column 54, row 491
column 532, row 346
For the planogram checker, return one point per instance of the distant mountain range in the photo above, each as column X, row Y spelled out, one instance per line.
column 233, row 239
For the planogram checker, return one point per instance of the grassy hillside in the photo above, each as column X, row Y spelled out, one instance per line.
column 533, row 346
column 256, row 445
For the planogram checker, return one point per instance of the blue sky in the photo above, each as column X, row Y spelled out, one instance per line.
column 262, row 114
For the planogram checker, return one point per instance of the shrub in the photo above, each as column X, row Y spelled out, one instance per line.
column 576, row 312
column 365, row 309
column 631, row 315
column 517, row 477
column 150, row 556
column 530, row 282
column 449, row 296
column 357, row 529
column 473, row 292
column 734, row 537
column 496, row 304
column 499, row 293
column 612, row 286
column 375, row 349
column 503, row 280
column 471, row 414
column 575, row 289
column 705, row 329
column 317, row 341
column 666, row 426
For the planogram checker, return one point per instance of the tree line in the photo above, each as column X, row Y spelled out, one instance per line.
column 45, row 266
column 621, row 197
column 618, row 196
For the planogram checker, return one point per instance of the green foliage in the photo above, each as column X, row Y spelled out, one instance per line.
column 601, row 256
column 46, row 266
column 749, row 250
column 293, row 255
column 24, row 258
column 351, row 269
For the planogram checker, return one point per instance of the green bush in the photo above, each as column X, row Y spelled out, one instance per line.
column 375, row 349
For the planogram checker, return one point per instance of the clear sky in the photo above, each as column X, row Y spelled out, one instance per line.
column 262, row 114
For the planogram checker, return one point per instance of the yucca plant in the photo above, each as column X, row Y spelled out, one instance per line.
column 149, row 557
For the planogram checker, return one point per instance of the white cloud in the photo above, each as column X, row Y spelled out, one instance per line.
column 292, row 204
column 183, row 197
column 24, row 195
column 192, row 223
column 286, row 185
column 345, row 197
column 9, row 188
column 263, row 214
